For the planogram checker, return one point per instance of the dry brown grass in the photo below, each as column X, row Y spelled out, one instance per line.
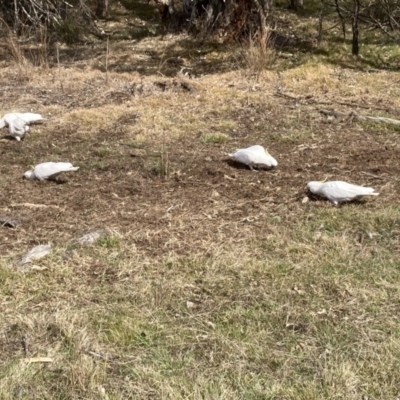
column 217, row 282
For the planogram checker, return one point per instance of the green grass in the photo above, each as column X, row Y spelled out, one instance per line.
column 216, row 282
column 313, row 319
column 214, row 138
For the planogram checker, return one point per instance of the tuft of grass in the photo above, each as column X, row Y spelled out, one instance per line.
column 256, row 58
column 136, row 144
column 214, row 138
column 103, row 152
column 159, row 167
column 109, row 242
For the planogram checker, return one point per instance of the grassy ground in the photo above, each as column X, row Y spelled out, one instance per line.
column 216, row 282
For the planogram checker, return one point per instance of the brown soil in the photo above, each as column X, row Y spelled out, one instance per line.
column 202, row 198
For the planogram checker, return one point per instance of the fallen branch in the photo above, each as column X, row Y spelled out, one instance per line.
column 31, row 205
column 372, row 175
column 353, row 114
column 378, row 119
column 37, row 360
column 309, row 99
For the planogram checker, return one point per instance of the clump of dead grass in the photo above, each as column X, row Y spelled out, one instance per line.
column 257, row 57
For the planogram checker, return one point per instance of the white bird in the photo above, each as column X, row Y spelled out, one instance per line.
column 254, row 156
column 27, row 117
column 339, row 191
column 18, row 128
column 49, row 170
column 36, row 253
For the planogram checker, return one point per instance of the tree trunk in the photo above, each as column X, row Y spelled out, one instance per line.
column 296, row 4
column 63, row 10
column 354, row 27
column 102, row 9
column 263, row 8
column 341, row 18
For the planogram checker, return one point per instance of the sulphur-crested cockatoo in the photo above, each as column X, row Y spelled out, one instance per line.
column 49, row 170
column 254, row 156
column 339, row 191
column 18, row 128
column 27, row 117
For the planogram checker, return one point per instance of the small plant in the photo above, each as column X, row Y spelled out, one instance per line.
column 160, row 166
column 15, row 50
column 257, row 56
column 135, row 144
column 108, row 242
column 103, row 152
column 215, row 138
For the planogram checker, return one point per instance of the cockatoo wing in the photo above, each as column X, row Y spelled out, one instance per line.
column 7, row 118
column 343, row 191
column 254, row 156
column 243, row 156
column 255, row 149
column 30, row 117
column 27, row 117
column 51, row 170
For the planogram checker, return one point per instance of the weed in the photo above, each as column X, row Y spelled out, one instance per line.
column 109, row 242
column 214, row 138
column 103, row 152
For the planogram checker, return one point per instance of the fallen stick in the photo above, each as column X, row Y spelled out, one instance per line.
column 309, row 99
column 353, row 114
column 372, row 175
column 31, row 205
column 379, row 119
column 37, row 360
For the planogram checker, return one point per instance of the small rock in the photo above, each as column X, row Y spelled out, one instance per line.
column 189, row 304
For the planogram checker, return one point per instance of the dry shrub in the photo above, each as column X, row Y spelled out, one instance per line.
column 258, row 57
column 36, row 55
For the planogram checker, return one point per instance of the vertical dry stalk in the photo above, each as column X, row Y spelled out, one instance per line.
column 14, row 48
column 42, row 60
column 164, row 159
column 257, row 56
column 17, row 55
column 58, row 55
column 107, row 52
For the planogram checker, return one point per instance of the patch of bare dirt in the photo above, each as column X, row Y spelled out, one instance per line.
column 204, row 198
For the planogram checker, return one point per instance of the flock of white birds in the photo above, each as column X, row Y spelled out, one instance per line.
column 254, row 157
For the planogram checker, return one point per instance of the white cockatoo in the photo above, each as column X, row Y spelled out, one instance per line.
column 339, row 191
column 27, row 117
column 254, row 156
column 18, row 123
column 18, row 128
column 49, row 170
